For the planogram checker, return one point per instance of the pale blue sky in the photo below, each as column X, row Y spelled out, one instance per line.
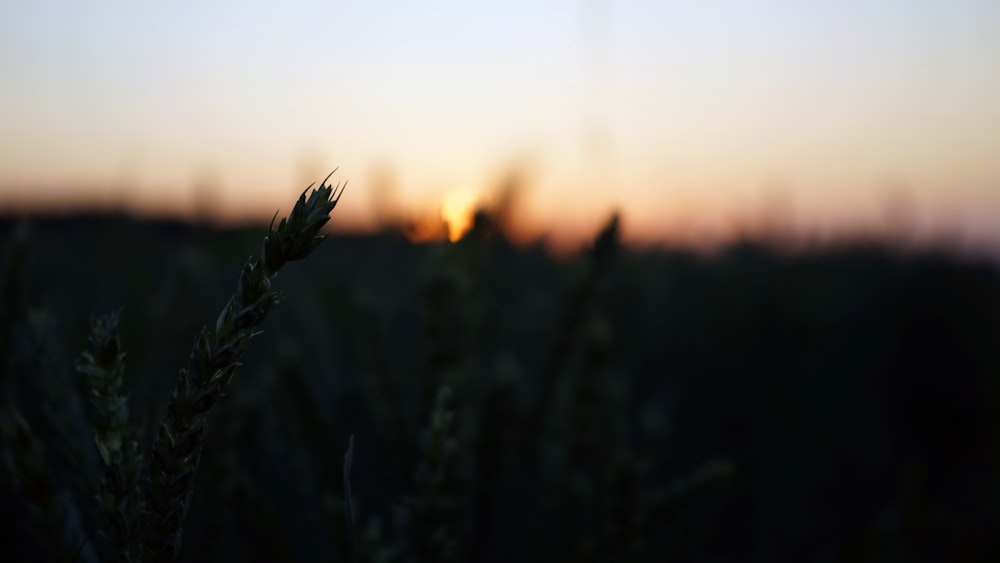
column 678, row 113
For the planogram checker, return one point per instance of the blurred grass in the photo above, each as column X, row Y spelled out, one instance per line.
column 835, row 404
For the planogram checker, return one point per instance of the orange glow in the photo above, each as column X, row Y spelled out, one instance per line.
column 458, row 210
column 425, row 228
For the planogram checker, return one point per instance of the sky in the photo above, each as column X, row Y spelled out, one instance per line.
column 692, row 119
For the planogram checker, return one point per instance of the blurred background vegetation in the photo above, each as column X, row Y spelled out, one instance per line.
column 751, row 404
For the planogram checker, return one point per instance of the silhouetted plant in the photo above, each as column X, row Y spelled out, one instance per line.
column 120, row 497
column 849, row 395
column 181, row 435
column 427, row 516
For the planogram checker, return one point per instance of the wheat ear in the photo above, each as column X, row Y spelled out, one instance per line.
column 180, row 437
column 103, row 365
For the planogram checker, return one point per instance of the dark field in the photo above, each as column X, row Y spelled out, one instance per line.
column 830, row 405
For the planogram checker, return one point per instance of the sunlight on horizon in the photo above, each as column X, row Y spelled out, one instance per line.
column 682, row 117
column 457, row 211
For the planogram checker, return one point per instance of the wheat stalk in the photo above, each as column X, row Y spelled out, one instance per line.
column 103, row 365
column 181, row 434
column 348, row 502
column 430, row 510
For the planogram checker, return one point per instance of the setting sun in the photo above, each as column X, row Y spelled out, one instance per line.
column 686, row 118
column 457, row 211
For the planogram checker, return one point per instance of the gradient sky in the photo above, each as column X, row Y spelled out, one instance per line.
column 687, row 116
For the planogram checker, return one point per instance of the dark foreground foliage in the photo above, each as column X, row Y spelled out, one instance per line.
column 834, row 405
